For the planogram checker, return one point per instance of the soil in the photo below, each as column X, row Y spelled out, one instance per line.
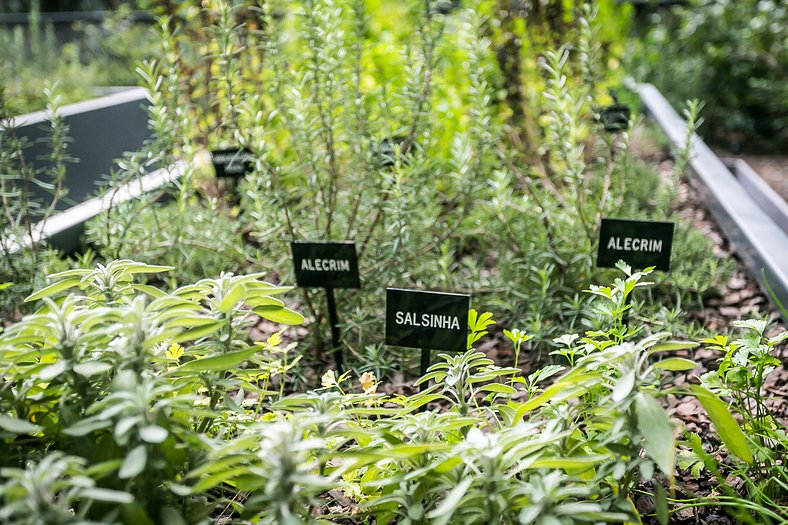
column 773, row 169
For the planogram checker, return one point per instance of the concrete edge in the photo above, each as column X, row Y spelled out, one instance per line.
column 771, row 202
column 120, row 97
column 63, row 230
column 758, row 240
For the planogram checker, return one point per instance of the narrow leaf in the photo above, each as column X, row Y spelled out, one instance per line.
column 17, row 426
column 675, row 364
column 727, row 427
column 107, row 495
column 219, row 362
column 657, row 431
column 52, row 289
column 199, row 331
column 673, row 345
column 443, row 513
column 280, row 315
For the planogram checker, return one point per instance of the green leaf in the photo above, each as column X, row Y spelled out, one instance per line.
column 199, row 331
column 661, row 503
column 675, row 364
column 219, row 362
column 777, row 339
column 52, row 289
column 263, row 301
column 623, row 386
column 233, row 297
column 657, row 431
column 153, row 434
column 17, row 426
column 442, row 514
column 52, row 371
column 570, row 385
column 216, row 478
column 727, row 427
column 279, row 315
column 74, row 272
column 571, row 463
column 86, row 426
column 498, row 388
column 262, row 288
column 92, row 368
column 149, row 290
column 132, row 267
column 107, row 495
column 190, row 321
column 134, row 463
column 673, row 345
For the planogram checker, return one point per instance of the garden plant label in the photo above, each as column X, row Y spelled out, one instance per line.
column 325, row 264
column 232, row 162
column 427, row 320
column 638, row 243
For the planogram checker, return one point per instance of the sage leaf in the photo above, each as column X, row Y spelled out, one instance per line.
column 17, row 426
column 134, row 463
column 443, row 513
column 657, row 431
column 219, row 362
column 279, row 315
column 153, row 434
column 727, row 427
column 92, row 368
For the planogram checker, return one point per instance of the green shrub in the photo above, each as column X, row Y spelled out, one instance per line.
column 731, row 53
column 106, row 55
column 395, row 136
column 125, row 403
column 28, row 197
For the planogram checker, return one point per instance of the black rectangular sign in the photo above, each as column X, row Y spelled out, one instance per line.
column 325, row 264
column 232, row 162
column 638, row 243
column 427, row 320
column 615, row 118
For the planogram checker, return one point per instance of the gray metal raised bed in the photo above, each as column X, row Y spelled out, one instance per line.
column 751, row 215
column 102, row 131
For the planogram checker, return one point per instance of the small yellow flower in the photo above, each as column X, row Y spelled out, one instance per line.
column 368, row 382
column 274, row 340
column 329, row 379
column 175, row 351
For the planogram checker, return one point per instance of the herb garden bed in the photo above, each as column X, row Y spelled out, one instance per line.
column 173, row 392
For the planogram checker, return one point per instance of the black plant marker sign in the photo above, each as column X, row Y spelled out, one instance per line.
column 327, row 265
column 615, row 117
column 232, row 162
column 638, row 243
column 427, row 320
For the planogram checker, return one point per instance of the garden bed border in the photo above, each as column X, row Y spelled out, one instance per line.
column 743, row 207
